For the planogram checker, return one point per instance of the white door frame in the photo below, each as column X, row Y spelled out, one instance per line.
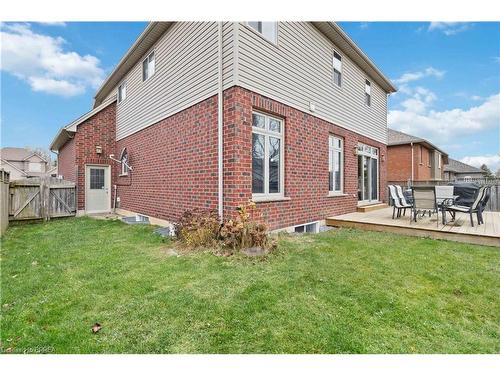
column 108, row 185
column 369, row 154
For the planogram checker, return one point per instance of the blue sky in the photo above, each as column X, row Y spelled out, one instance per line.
column 448, row 75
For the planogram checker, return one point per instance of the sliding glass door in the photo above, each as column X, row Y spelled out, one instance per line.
column 367, row 173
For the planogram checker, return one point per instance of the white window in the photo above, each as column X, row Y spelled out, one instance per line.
column 269, row 30
column 368, row 93
column 335, row 164
column 337, row 68
column 267, row 156
column 124, row 163
column 439, row 159
column 122, row 92
column 148, row 66
column 35, row 167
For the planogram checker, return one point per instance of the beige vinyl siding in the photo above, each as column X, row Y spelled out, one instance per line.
column 299, row 70
column 186, row 69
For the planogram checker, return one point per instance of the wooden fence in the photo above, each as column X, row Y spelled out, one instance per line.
column 4, row 200
column 41, row 198
column 492, row 205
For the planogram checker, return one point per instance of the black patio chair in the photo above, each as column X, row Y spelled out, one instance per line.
column 473, row 209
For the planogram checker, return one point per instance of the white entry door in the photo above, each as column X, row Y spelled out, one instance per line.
column 98, row 189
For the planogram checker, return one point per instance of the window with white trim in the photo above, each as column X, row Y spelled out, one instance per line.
column 124, row 163
column 268, row 30
column 122, row 92
column 368, row 93
column 337, row 68
column 267, row 156
column 335, row 164
column 148, row 66
column 439, row 159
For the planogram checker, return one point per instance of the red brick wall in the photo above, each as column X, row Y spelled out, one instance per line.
column 175, row 161
column 99, row 130
column 399, row 163
column 174, row 164
column 66, row 161
column 306, row 162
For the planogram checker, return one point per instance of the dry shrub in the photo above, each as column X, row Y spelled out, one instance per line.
column 198, row 228
column 201, row 229
column 245, row 230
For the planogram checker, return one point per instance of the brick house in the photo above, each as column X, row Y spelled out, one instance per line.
column 413, row 158
column 292, row 115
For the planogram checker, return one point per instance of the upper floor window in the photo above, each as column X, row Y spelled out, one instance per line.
column 335, row 164
column 439, row 159
column 429, row 157
column 267, row 155
column 269, row 30
column 122, row 92
column 368, row 93
column 337, row 68
column 148, row 66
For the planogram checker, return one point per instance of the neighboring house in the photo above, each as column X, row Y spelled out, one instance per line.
column 413, row 158
column 457, row 170
column 22, row 163
column 302, row 108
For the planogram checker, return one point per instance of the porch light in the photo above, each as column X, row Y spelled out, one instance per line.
column 98, row 150
column 355, row 150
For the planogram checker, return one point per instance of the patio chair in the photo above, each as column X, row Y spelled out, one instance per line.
column 474, row 208
column 402, row 198
column 444, row 197
column 484, row 201
column 396, row 203
column 424, row 202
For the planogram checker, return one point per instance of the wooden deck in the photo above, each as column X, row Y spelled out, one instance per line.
column 460, row 230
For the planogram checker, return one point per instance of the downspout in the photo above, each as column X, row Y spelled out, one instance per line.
column 412, row 164
column 220, row 115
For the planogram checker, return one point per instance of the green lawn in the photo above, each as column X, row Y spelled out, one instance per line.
column 344, row 291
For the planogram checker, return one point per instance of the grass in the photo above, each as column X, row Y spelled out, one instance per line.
column 344, row 291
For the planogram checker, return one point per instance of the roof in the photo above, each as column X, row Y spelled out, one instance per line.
column 154, row 30
column 395, row 138
column 67, row 132
column 459, row 167
column 18, row 154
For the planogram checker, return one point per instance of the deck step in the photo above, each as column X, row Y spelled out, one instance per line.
column 372, row 207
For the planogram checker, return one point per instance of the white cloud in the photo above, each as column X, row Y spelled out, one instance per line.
column 442, row 126
column 53, row 23
column 41, row 61
column 492, row 161
column 449, row 28
column 364, row 25
column 415, row 76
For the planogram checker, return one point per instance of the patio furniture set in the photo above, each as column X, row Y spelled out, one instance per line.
column 429, row 200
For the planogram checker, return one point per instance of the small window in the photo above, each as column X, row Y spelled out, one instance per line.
column 421, row 155
column 269, row 30
column 148, row 67
column 429, row 156
column 306, row 228
column 122, row 92
column 337, row 68
column 96, row 179
column 368, row 93
column 439, row 159
column 124, row 164
column 335, row 161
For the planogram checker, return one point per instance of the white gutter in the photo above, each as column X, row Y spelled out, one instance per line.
column 220, row 140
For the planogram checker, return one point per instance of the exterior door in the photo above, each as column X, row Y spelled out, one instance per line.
column 368, row 172
column 98, row 189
